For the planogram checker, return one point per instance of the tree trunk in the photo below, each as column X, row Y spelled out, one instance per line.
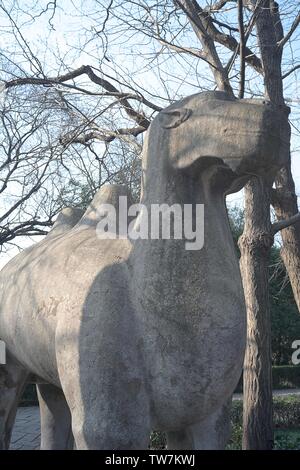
column 255, row 245
column 284, row 201
column 258, row 426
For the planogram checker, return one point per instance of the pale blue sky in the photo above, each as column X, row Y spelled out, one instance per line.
column 72, row 31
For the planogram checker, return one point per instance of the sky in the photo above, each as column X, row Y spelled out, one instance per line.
column 69, row 40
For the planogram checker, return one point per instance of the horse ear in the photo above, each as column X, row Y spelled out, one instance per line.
column 173, row 118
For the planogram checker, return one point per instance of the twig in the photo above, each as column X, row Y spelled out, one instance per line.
column 242, row 49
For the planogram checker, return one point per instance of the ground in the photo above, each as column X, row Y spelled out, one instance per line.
column 26, row 432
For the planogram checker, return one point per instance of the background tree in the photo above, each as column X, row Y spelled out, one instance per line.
column 40, row 173
column 28, row 163
column 285, row 319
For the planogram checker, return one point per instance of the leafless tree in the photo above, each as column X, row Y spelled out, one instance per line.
column 28, row 162
column 47, row 158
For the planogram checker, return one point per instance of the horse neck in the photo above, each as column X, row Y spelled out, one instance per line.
column 160, row 259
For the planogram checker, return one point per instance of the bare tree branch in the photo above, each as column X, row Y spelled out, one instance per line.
column 218, row 5
column 226, row 40
column 285, row 75
column 282, row 224
column 287, row 37
column 187, row 50
column 191, row 9
column 103, row 135
column 140, row 118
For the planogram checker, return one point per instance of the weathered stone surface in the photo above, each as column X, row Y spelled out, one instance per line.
column 145, row 334
column 66, row 219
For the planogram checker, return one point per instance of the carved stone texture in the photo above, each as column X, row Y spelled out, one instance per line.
column 144, row 334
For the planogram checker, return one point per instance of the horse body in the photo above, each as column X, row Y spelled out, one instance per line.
column 132, row 335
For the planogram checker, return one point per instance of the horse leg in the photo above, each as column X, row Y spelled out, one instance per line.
column 12, row 382
column 210, row 433
column 56, row 432
column 109, row 407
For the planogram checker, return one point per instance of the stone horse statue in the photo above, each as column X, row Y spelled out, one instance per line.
column 124, row 336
